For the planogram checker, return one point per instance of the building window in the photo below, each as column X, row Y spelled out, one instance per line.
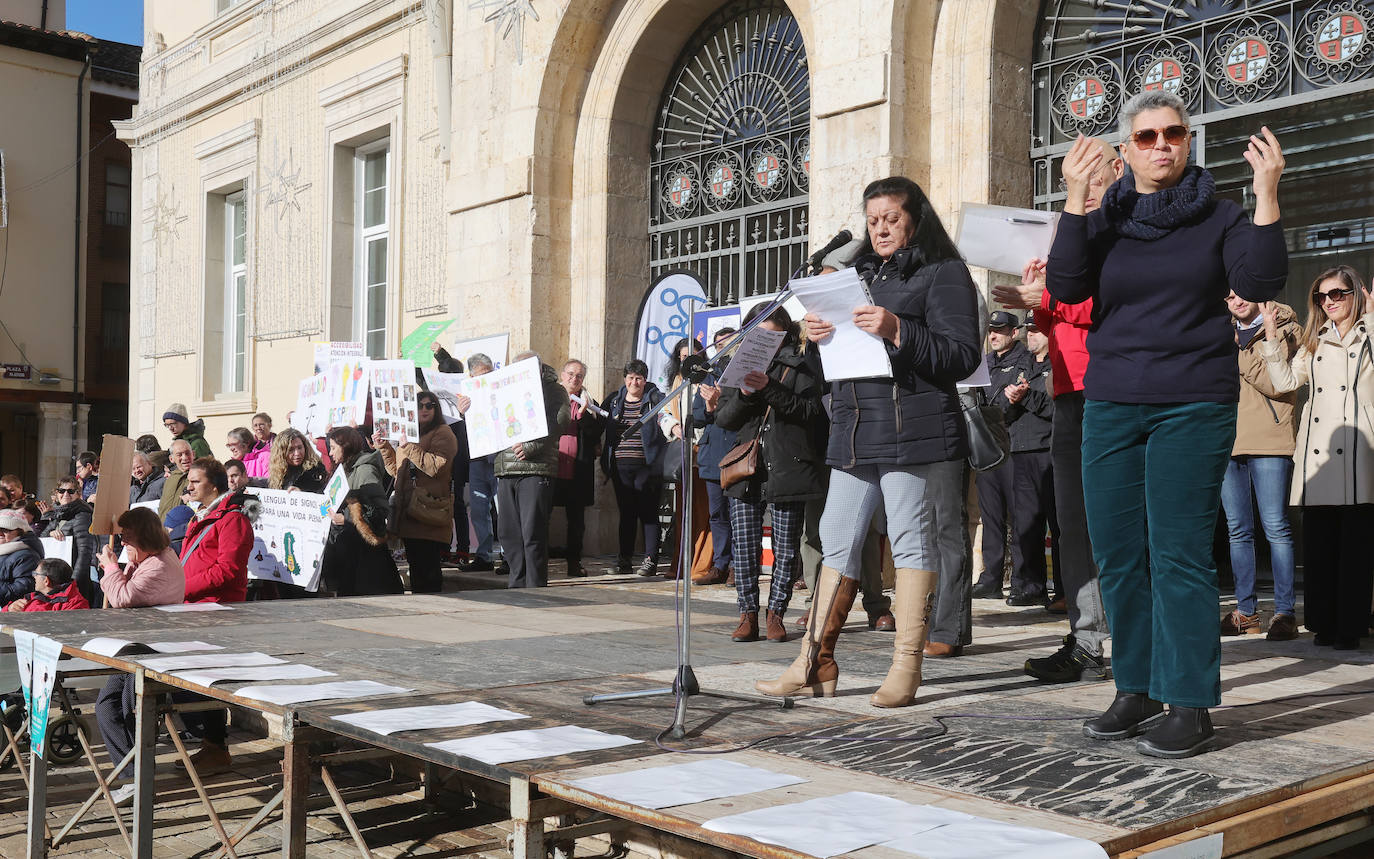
column 222, row 6
column 371, row 168
column 235, row 290
column 116, row 194
column 114, row 332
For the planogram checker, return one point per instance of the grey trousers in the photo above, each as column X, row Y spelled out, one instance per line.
column 1082, row 593
column 952, row 617
column 525, row 505
column 870, row 575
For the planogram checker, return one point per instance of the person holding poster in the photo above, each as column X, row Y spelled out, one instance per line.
column 424, row 492
column 295, row 464
column 356, row 560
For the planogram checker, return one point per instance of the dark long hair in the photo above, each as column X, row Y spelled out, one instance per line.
column 929, row 239
column 438, row 419
column 675, row 363
column 351, row 442
column 779, row 317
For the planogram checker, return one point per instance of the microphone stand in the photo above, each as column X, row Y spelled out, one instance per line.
column 695, row 369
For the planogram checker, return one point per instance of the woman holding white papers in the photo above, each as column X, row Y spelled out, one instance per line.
column 886, row 433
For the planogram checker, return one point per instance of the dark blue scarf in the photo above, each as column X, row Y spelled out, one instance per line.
column 1151, row 216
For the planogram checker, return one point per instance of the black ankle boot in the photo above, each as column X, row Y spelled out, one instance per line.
column 1185, row 732
column 1130, row 714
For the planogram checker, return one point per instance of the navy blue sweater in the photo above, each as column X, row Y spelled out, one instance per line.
column 1161, row 332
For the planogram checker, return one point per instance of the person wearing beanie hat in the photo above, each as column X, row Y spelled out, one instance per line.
column 18, row 560
column 178, row 422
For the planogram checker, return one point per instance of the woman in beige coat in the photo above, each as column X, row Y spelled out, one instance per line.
column 424, row 492
column 1334, row 460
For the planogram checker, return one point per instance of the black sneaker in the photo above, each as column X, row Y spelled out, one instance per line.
column 623, row 565
column 1131, row 713
column 1068, row 664
column 1185, row 732
column 649, row 567
column 987, row 592
column 475, row 565
column 1023, row 600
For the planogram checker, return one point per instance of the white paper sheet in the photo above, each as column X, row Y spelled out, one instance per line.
column 394, row 721
column 683, row 784
column 849, row 353
column 831, row 825
column 59, row 549
column 211, row 676
column 447, row 387
column 114, row 646
column 1004, row 239
column 339, row 690
column 988, row 839
column 535, row 743
column 194, row 606
column 208, row 660
column 753, row 354
column 981, row 378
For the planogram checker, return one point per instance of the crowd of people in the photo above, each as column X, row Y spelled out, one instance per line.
column 1123, row 468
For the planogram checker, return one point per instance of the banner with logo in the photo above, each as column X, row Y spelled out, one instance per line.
column 663, row 320
column 37, row 672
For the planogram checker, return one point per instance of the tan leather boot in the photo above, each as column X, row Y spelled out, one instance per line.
column 748, row 629
column 814, row 671
column 915, row 596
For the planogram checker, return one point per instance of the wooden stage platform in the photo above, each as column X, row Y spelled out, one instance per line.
column 1284, row 774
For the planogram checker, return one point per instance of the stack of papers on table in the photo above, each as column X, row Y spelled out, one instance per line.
column 535, row 743
column 211, row 676
column 115, row 646
column 165, row 664
column 831, row 825
column 396, row 720
column 684, row 784
column 286, row 695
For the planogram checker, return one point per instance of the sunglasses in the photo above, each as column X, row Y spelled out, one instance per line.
column 1174, row 135
column 427, row 404
column 1338, row 294
column 65, row 492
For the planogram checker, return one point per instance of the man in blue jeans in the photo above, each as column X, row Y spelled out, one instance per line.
column 1258, row 474
column 482, row 491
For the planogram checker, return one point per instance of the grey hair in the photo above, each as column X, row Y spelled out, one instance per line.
column 138, row 454
column 1155, row 99
column 242, row 435
column 479, row 359
column 528, row 353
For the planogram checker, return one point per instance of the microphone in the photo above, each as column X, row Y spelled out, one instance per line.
column 842, row 238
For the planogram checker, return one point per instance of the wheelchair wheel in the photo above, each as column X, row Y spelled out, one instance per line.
column 64, row 740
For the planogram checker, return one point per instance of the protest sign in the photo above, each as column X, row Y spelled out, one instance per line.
column 394, row 411
column 312, row 406
column 334, row 492
column 417, row 345
column 447, row 387
column 117, row 459
column 494, row 346
column 288, row 537
column 337, row 350
column 347, row 391
column 507, row 407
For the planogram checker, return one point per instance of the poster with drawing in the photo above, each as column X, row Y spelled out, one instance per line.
column 334, row 493
column 327, row 353
column 494, row 346
column 507, row 407
column 312, row 406
column 447, row 387
column 288, row 537
column 346, row 392
column 394, row 411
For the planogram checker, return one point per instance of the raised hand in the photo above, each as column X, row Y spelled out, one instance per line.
column 1078, row 168
column 1271, row 323
column 1265, row 157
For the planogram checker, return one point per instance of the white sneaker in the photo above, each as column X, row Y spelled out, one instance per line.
column 123, row 795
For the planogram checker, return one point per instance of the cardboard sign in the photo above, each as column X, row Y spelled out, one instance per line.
column 395, row 413
column 507, row 407
column 116, row 465
column 288, row 538
column 417, row 345
column 312, row 406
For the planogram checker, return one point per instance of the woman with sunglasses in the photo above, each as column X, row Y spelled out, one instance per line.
column 424, row 487
column 1158, row 259
column 1335, row 451
column 70, row 518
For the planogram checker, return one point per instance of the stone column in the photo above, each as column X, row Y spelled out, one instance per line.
column 55, row 452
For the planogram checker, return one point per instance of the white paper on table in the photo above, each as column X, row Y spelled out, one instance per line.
column 59, row 549
column 753, row 354
column 194, row 606
column 182, row 646
column 510, row 746
column 114, row 646
column 394, row 721
column 981, row 378
column 295, row 694
column 208, row 660
column 989, row 839
column 211, row 676
column 850, row 353
column 683, row 784
column 831, row 825
column 1004, row 239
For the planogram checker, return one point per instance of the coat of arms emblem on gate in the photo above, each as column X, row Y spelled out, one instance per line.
column 1247, row 60
column 1340, row 38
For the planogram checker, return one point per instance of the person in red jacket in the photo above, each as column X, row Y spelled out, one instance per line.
column 54, row 589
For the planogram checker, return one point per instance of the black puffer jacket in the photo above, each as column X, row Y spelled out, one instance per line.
column 913, row 418
column 73, row 521
column 790, row 467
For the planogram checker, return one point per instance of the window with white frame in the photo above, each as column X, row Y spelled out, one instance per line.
column 371, row 184
column 235, row 291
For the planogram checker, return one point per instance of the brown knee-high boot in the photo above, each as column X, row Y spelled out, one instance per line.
column 915, row 596
column 814, row 671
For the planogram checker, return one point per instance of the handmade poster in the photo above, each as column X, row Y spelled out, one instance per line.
column 507, row 407
column 312, row 406
column 59, row 549
column 753, row 354
column 117, row 458
column 43, row 672
column 494, row 346
column 347, row 391
column 334, row 493
column 288, row 537
column 394, row 411
column 337, row 350
column 447, row 387
column 416, row 346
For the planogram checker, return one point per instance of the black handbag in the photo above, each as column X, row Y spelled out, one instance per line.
column 988, row 440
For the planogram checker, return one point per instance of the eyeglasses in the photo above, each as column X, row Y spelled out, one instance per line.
column 65, row 492
column 427, row 405
column 1174, row 135
column 1338, row 294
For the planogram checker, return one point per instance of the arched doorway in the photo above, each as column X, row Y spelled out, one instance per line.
column 1305, row 69
column 730, row 164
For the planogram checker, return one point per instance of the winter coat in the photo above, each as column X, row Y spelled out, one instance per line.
column 156, row 580
column 18, row 560
column 172, row 487
column 716, row 440
column 258, row 459
column 356, row 559
column 73, row 521
column 541, row 455
column 215, row 552
column 790, row 467
column 655, row 443
column 67, row 599
column 194, row 435
column 1334, row 460
column 429, row 464
column 1067, row 327
column 1030, row 419
column 580, row 489
column 1266, row 422
column 148, row 489
column 314, row 480
column 914, row 417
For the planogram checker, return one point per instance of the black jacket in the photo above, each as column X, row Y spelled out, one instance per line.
column 16, row 572
column 790, row 466
column 716, row 440
column 581, row 489
column 913, row 418
column 313, row 480
column 149, row 489
column 1028, row 421
column 73, row 519
column 655, row 443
